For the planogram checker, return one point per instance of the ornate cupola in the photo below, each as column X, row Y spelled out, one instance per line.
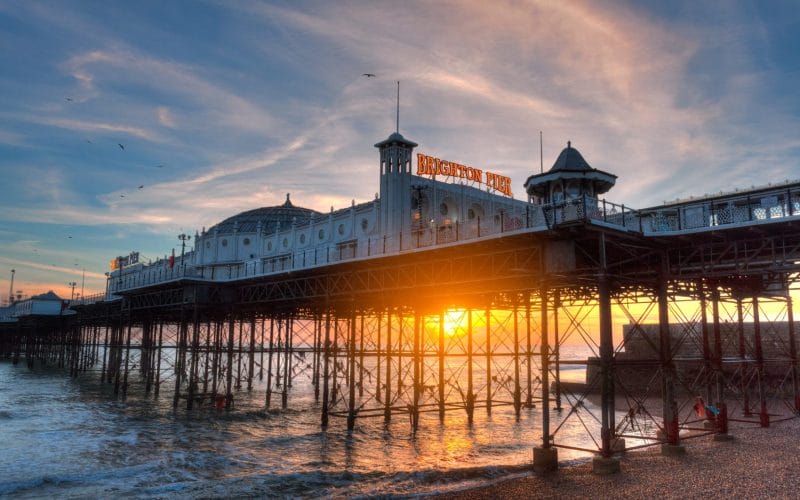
column 396, row 157
column 570, row 177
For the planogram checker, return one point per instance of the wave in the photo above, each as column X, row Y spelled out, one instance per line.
column 92, row 479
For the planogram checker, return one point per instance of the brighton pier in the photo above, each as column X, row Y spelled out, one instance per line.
column 445, row 295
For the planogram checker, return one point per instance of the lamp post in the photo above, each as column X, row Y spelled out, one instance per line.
column 72, row 285
column 11, row 288
column 184, row 238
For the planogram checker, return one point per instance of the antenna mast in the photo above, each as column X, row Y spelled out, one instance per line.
column 397, row 123
column 541, row 154
column 11, row 288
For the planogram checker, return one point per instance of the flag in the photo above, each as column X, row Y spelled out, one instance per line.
column 172, row 259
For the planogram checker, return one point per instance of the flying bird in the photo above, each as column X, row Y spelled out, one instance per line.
column 159, row 166
column 68, row 99
column 87, row 140
column 141, row 187
column 122, row 196
column 69, row 237
column 121, row 146
column 368, row 75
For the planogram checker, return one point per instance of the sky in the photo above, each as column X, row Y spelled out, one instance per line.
column 124, row 124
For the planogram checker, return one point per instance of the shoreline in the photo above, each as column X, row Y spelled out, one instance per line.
column 757, row 463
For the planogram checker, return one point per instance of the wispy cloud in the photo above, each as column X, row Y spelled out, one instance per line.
column 73, row 124
column 182, row 82
column 671, row 105
column 73, row 271
column 166, row 117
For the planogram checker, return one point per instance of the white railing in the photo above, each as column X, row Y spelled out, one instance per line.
column 522, row 218
column 710, row 213
column 693, row 215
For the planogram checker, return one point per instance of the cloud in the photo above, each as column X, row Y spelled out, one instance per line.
column 671, row 105
column 10, row 138
column 73, row 271
column 165, row 117
column 72, row 124
column 180, row 81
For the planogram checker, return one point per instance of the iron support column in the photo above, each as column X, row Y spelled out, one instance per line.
column 762, row 397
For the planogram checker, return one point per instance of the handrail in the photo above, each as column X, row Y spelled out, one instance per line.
column 692, row 216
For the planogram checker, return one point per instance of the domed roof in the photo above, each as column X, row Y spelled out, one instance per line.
column 269, row 217
column 570, row 159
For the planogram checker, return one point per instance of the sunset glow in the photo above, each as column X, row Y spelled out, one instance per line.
column 672, row 103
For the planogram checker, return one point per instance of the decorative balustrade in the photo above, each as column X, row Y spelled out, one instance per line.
column 692, row 215
column 762, row 206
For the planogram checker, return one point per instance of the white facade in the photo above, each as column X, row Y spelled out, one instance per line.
column 413, row 213
column 47, row 304
column 410, row 212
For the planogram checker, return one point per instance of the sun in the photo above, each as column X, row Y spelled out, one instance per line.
column 455, row 323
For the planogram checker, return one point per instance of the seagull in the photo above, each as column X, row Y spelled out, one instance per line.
column 87, row 140
column 368, row 75
column 141, row 187
column 68, row 99
column 69, row 237
column 121, row 146
column 122, row 196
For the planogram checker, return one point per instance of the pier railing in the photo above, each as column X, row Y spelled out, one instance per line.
column 88, row 299
column 765, row 205
column 421, row 236
column 760, row 206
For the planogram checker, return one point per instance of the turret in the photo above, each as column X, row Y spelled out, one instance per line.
column 570, row 177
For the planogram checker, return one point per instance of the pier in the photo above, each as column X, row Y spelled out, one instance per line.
column 426, row 311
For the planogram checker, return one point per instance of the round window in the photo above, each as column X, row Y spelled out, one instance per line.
column 208, row 244
column 302, row 239
column 246, row 241
column 443, row 209
column 285, row 243
column 321, row 234
column 341, row 229
column 470, row 214
column 269, row 246
column 224, row 243
column 364, row 225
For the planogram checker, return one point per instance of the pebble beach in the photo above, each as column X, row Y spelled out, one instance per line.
column 757, row 463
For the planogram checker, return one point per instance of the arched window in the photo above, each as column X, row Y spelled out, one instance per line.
column 573, row 190
column 558, row 194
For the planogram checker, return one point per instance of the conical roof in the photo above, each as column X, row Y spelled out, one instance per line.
column 570, row 165
column 269, row 217
column 571, row 160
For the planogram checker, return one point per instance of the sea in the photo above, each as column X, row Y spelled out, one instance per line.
column 71, row 438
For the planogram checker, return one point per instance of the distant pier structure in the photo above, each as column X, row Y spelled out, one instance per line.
column 446, row 294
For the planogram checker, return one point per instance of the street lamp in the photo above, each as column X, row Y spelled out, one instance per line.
column 184, row 238
column 72, row 285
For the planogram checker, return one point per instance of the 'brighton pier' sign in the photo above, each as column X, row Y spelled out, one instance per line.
column 428, row 165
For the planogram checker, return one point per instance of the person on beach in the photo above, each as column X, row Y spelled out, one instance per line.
column 703, row 410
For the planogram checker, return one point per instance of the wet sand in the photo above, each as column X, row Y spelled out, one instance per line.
column 758, row 463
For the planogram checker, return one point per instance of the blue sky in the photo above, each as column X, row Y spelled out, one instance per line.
column 227, row 106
